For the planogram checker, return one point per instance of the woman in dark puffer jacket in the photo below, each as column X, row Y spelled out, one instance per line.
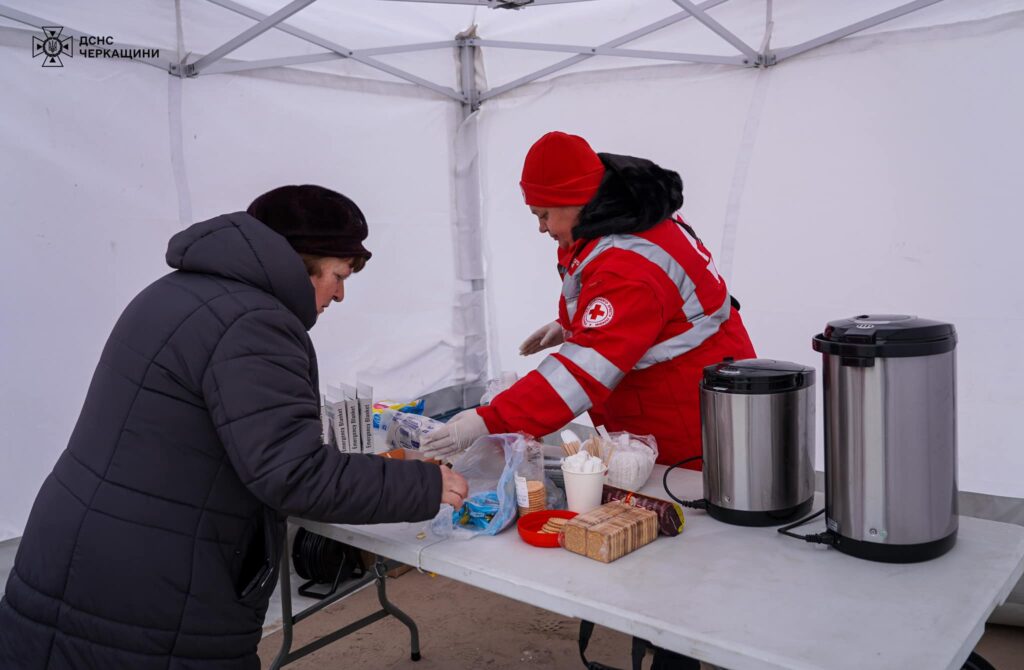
column 154, row 542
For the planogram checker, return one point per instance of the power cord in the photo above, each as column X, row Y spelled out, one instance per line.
column 814, row 538
column 702, row 503
column 692, row 504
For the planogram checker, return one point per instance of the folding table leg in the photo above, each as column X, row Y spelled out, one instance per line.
column 381, row 570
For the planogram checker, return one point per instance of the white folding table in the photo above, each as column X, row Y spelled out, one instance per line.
column 741, row 598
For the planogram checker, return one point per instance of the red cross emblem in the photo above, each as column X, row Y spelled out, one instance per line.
column 598, row 313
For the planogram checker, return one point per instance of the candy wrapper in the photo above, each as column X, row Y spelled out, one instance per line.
column 477, row 511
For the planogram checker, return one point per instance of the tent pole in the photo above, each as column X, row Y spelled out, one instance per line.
column 720, row 30
column 767, row 58
column 617, row 42
column 339, row 49
column 613, row 51
column 471, row 316
column 226, row 65
column 248, row 35
column 467, row 63
column 496, row 4
column 871, row 22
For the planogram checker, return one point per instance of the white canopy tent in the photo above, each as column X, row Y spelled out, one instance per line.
column 838, row 158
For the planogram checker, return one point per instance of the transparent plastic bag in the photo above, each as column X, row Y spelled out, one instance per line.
column 490, row 466
column 630, row 459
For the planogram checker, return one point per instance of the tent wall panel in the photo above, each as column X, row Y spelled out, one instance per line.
column 883, row 181
column 395, row 327
column 142, row 22
column 88, row 205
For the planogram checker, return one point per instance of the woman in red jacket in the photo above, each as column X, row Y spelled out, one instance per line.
column 643, row 309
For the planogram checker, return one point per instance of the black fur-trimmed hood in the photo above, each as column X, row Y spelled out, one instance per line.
column 635, row 195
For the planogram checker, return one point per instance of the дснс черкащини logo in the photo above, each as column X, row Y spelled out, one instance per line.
column 53, row 46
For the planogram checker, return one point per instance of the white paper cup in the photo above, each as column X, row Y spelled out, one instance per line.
column 583, row 489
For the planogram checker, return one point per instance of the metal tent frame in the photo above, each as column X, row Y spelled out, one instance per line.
column 215, row 61
column 747, row 56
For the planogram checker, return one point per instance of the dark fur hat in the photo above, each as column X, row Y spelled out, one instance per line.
column 314, row 220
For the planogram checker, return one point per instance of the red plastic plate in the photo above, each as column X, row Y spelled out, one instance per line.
column 530, row 525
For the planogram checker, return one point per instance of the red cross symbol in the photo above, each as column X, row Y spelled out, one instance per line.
column 598, row 313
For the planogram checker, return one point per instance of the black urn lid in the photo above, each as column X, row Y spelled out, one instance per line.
column 757, row 375
column 884, row 336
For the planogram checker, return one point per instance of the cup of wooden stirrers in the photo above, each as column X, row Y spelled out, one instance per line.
column 602, row 446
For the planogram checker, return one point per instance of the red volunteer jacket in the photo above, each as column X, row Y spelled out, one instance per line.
column 643, row 314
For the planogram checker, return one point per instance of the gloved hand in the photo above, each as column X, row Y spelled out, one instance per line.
column 548, row 335
column 454, row 436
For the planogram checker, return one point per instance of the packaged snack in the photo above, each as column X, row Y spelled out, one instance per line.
column 379, row 407
column 670, row 514
column 531, row 495
column 405, row 430
column 609, row 532
column 477, row 511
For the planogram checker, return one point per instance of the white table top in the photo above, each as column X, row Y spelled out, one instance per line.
column 741, row 597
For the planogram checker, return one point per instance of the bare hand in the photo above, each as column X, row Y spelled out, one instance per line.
column 454, row 488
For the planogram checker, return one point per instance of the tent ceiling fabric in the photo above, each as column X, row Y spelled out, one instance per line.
column 375, row 24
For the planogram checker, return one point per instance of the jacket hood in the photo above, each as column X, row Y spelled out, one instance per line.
column 238, row 247
column 635, row 195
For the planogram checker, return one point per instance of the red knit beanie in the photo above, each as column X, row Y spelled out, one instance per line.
column 560, row 170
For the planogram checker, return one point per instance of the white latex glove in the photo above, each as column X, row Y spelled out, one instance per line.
column 548, row 335
column 454, row 436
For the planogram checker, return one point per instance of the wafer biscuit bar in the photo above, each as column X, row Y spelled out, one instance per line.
column 610, row 532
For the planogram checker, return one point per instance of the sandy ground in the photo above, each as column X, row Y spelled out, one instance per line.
column 462, row 627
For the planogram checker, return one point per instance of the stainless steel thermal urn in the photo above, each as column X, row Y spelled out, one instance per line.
column 890, row 436
column 757, row 424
